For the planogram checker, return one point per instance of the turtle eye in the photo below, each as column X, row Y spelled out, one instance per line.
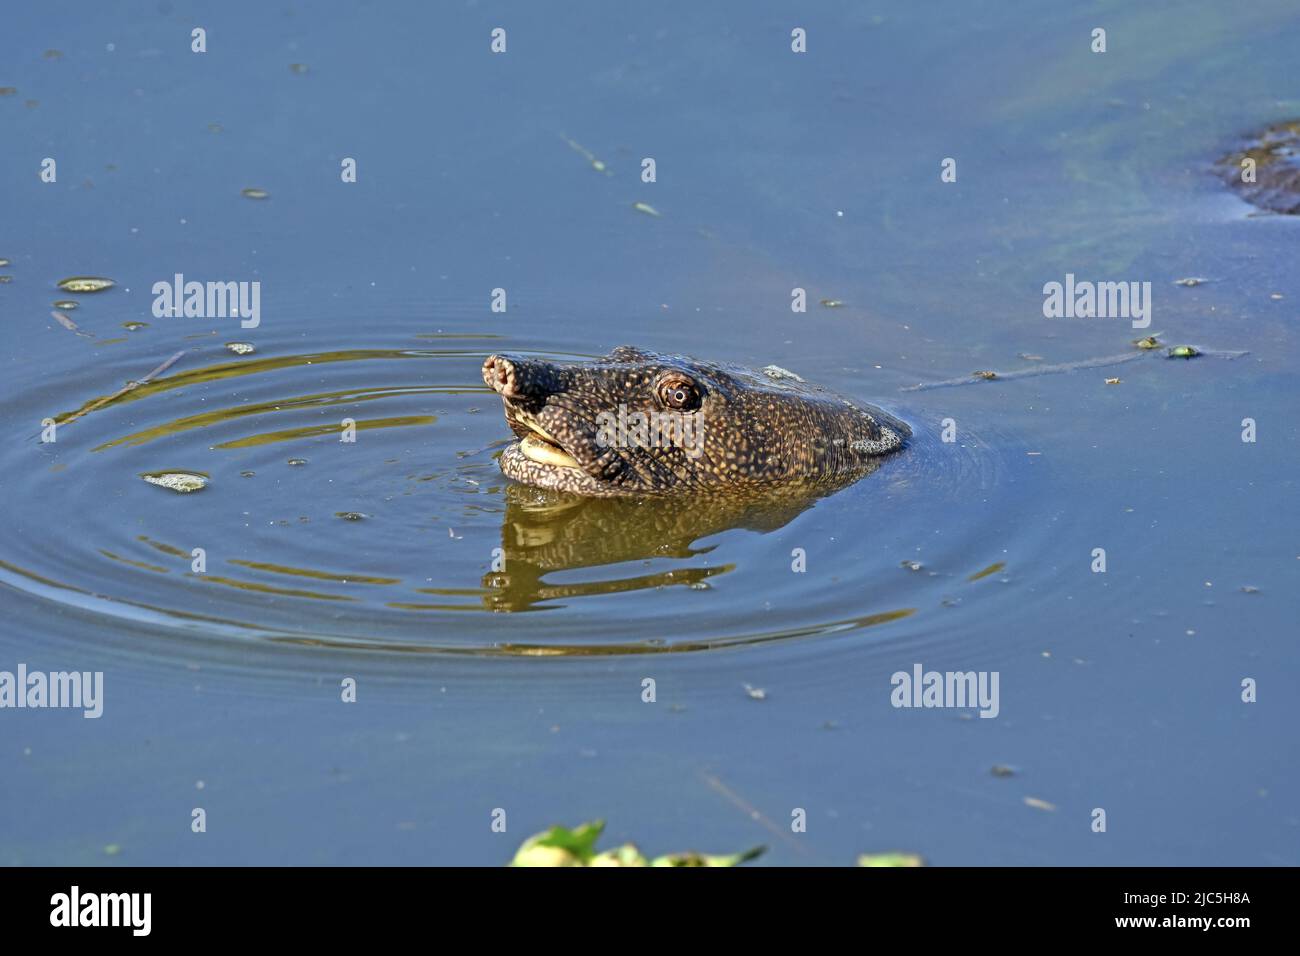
column 678, row 392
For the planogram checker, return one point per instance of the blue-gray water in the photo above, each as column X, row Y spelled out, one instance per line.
column 1119, row 690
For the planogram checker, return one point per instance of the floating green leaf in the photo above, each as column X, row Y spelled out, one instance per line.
column 560, row 846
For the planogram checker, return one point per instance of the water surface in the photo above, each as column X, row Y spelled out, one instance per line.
column 500, row 636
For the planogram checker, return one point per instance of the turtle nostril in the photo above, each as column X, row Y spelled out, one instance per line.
column 499, row 375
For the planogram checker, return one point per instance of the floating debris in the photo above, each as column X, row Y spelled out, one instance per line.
column 241, row 348
column 4, row 279
column 112, row 849
column 911, row 565
column 1150, row 342
column 252, row 192
column 129, row 386
column 297, row 462
column 1275, row 296
column 68, row 324
column 833, row 303
column 183, row 482
column 66, row 305
column 1038, row 804
column 1029, row 358
column 755, row 693
column 596, row 164
column 891, row 859
column 1184, row 352
column 3, row 263
column 1113, row 381
column 298, row 68
column 777, row 372
column 8, row 90
column 1191, row 281
column 646, row 208
column 351, row 515
column 86, row 284
column 1249, row 589
column 1002, row 770
column 135, row 326
column 215, row 128
column 53, row 54
column 247, row 474
column 986, row 376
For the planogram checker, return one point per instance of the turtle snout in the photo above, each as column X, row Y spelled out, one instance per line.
column 504, row 376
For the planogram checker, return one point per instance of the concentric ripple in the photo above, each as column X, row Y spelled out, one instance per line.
column 352, row 502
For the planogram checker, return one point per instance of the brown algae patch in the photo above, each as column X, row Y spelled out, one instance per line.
column 1266, row 172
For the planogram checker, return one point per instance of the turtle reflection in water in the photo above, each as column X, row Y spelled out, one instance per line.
column 544, row 532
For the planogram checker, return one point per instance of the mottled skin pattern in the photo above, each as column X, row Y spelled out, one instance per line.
column 761, row 429
column 1276, row 152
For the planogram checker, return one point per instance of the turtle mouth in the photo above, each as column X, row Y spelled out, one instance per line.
column 540, row 447
column 536, row 443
